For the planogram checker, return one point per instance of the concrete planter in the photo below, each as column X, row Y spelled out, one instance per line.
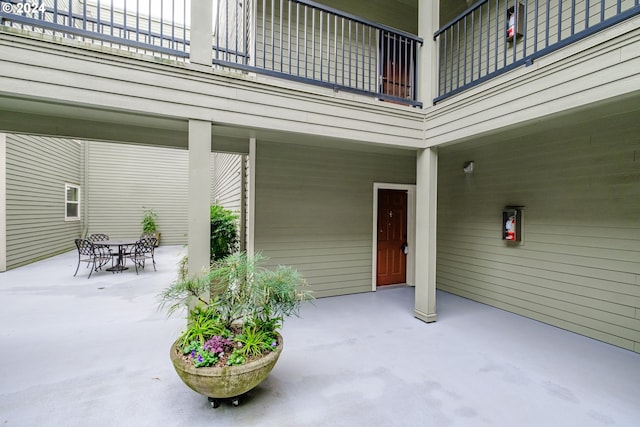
column 228, row 381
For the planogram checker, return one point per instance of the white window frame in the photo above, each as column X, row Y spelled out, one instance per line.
column 68, row 186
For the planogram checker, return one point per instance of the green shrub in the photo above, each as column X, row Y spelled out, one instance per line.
column 224, row 232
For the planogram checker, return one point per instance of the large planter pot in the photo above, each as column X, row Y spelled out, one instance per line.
column 228, row 381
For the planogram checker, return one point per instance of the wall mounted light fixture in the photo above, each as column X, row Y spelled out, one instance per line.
column 468, row 166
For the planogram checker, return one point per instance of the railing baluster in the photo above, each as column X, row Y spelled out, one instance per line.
column 297, row 39
column 465, row 52
column 547, row 35
column 289, row 33
column 328, row 47
column 313, row 43
column 587, row 7
column 349, row 52
column 559, row 20
column 280, row 34
column 573, row 16
column 495, row 55
column 305, row 42
column 320, row 43
column 515, row 36
column 370, row 56
column 535, row 26
column 335, row 47
column 264, row 34
column 342, row 46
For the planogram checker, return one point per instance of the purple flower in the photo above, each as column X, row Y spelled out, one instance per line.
column 273, row 344
column 200, row 358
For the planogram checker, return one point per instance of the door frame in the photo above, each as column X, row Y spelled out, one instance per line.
column 411, row 230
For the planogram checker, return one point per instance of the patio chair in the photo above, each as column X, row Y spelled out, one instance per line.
column 90, row 254
column 143, row 251
column 96, row 237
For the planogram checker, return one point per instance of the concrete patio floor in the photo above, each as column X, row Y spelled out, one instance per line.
column 95, row 352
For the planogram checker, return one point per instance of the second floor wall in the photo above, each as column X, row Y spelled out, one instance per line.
column 476, row 69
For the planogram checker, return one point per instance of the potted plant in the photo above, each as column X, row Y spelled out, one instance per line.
column 231, row 341
column 149, row 224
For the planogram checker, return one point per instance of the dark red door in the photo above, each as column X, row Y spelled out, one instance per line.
column 392, row 236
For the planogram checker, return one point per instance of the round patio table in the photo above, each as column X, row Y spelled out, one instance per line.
column 121, row 244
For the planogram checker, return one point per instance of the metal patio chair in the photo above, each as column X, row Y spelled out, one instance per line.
column 143, row 251
column 91, row 255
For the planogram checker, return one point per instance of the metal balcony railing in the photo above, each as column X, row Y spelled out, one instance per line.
column 292, row 39
column 495, row 36
column 152, row 27
column 311, row 43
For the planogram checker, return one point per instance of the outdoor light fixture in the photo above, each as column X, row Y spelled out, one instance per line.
column 468, row 166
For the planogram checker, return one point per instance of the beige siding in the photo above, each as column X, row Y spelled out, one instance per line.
column 125, row 179
column 226, row 180
column 579, row 266
column 37, row 171
column 314, row 210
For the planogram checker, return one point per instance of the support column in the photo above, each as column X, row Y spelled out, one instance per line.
column 3, row 202
column 199, row 227
column 428, row 24
column 201, row 49
column 426, row 200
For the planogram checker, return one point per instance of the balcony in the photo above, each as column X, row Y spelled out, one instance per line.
column 495, row 36
column 290, row 39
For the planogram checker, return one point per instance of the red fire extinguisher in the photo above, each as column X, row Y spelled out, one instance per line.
column 512, row 25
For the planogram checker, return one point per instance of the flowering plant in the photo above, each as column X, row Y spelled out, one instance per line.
column 234, row 309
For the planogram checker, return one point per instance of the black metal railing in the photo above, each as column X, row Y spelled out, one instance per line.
column 155, row 27
column 308, row 42
column 292, row 39
column 495, row 36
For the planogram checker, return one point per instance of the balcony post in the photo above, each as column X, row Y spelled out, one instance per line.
column 199, row 195
column 426, row 199
column 201, row 50
column 428, row 13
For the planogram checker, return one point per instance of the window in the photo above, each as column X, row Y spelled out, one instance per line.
column 72, row 202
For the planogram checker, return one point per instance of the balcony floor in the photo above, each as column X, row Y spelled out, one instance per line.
column 94, row 352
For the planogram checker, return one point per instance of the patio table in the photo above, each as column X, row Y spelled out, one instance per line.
column 121, row 244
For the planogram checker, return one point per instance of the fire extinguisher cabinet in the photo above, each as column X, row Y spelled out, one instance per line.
column 515, row 22
column 512, row 224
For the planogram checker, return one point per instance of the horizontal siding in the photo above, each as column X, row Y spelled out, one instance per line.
column 227, row 180
column 479, row 47
column 579, row 265
column 124, row 179
column 37, row 170
column 314, row 211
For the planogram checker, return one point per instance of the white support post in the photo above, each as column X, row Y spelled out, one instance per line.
column 199, row 195
column 426, row 200
column 3, row 202
column 428, row 21
column 201, row 49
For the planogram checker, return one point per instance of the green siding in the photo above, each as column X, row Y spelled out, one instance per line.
column 226, row 180
column 314, row 210
column 37, row 170
column 124, row 178
column 579, row 266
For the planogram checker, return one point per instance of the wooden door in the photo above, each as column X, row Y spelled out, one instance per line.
column 397, row 60
column 392, row 237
